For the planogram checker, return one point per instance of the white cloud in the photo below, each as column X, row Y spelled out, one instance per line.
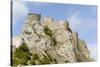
column 77, row 22
column 19, row 10
column 74, row 20
column 93, row 50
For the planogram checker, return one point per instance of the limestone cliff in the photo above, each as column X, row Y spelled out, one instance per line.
column 48, row 42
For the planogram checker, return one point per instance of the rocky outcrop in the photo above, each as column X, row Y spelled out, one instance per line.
column 50, row 42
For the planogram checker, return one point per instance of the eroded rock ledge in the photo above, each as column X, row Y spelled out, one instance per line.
column 46, row 41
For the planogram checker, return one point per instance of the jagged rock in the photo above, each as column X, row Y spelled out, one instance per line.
column 51, row 42
column 16, row 42
column 74, row 37
column 83, row 53
column 63, row 24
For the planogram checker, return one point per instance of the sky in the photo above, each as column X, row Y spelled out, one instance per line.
column 82, row 18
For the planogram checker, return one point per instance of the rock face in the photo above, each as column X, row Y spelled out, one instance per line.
column 50, row 42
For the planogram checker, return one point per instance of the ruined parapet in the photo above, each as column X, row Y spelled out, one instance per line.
column 33, row 17
column 47, row 20
column 50, row 23
column 63, row 24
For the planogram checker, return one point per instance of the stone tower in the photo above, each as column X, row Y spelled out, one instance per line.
column 47, row 20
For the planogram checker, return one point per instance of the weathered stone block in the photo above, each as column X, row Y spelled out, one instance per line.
column 63, row 24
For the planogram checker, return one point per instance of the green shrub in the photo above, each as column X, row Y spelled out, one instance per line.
column 47, row 31
column 45, row 60
column 21, row 55
column 34, row 58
